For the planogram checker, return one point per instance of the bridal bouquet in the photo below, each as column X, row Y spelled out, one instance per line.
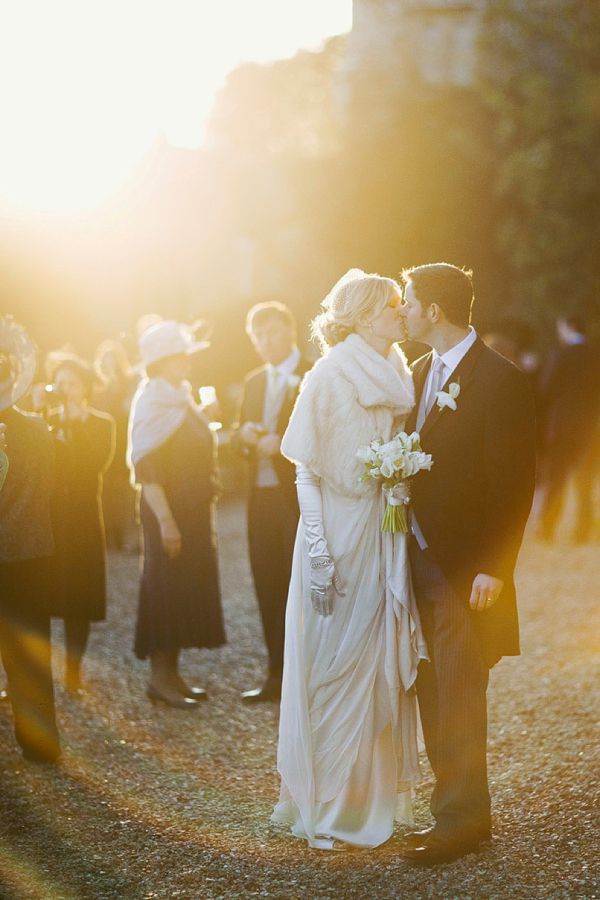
column 393, row 463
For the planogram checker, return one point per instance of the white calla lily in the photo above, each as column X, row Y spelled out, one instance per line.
column 393, row 462
column 448, row 398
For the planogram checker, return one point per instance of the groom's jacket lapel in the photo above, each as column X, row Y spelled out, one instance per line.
column 463, row 375
column 420, row 369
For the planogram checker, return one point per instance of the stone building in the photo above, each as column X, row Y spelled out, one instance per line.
column 400, row 43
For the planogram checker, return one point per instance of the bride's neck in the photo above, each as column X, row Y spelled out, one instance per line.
column 379, row 344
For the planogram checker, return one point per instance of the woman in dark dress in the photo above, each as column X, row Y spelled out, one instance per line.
column 85, row 440
column 114, row 396
column 26, row 548
column 173, row 454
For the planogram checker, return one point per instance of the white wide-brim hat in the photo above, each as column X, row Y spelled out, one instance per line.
column 19, row 361
column 169, row 338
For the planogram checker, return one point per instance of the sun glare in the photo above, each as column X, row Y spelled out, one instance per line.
column 85, row 86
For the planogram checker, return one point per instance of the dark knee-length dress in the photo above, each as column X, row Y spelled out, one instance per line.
column 179, row 601
column 84, row 450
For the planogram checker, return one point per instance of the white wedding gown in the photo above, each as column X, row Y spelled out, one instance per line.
column 348, row 727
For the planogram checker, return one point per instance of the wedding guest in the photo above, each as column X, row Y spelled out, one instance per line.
column 267, row 402
column 26, row 548
column 570, row 426
column 114, row 396
column 173, row 454
column 3, row 456
column 84, row 449
column 347, row 735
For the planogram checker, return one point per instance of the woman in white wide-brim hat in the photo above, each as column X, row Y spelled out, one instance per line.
column 172, row 453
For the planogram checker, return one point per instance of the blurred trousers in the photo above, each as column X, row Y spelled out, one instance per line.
column 272, row 526
column 451, row 689
column 26, row 653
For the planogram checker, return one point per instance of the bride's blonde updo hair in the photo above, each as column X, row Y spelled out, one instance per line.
column 357, row 295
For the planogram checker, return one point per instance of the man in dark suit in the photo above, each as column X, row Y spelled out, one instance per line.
column 267, row 403
column 475, row 413
column 570, row 419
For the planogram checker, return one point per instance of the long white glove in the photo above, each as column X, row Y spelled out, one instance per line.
column 324, row 580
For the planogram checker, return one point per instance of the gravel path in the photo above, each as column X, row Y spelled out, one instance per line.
column 158, row 803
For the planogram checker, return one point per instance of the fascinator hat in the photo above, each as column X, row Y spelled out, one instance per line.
column 18, row 362
column 357, row 295
column 356, row 298
column 170, row 338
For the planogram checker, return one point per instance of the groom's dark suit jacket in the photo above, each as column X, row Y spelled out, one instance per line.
column 473, row 505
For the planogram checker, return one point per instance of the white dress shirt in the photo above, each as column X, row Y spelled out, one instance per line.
column 277, row 386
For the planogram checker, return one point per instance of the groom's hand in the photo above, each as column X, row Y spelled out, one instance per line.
column 485, row 591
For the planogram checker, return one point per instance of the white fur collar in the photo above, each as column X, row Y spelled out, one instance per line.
column 378, row 381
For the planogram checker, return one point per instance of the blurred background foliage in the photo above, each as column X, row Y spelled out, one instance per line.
column 318, row 163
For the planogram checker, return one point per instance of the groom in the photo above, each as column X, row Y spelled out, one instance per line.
column 475, row 415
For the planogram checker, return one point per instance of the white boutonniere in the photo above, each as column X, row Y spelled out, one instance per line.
column 293, row 384
column 448, row 398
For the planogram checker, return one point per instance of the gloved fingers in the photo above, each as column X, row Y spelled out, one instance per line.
column 322, row 601
column 338, row 585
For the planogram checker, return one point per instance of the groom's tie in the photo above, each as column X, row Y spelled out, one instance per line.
column 434, row 383
column 273, row 387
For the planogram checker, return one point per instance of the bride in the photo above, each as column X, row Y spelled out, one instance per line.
column 347, row 751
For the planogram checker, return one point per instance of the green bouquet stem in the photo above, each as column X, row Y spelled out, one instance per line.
column 394, row 519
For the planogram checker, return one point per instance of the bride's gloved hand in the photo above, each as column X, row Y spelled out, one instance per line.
column 324, row 584
column 324, row 581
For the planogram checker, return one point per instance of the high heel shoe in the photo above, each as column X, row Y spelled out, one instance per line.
column 182, row 703
column 327, row 843
column 195, row 693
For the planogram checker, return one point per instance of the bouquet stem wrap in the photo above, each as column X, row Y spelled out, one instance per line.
column 394, row 518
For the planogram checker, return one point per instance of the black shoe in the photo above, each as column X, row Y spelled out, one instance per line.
column 435, row 851
column 181, row 703
column 419, row 836
column 47, row 758
column 270, row 692
column 416, row 838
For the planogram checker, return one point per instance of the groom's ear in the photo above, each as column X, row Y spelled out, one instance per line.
column 434, row 314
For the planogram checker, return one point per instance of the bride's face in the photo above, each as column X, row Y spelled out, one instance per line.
column 389, row 323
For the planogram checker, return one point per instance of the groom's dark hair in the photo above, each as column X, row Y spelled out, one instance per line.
column 447, row 286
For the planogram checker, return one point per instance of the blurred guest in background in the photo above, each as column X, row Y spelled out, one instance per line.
column 570, row 411
column 502, row 344
column 173, row 454
column 114, row 397
column 267, row 403
column 3, row 456
column 85, row 440
column 26, row 548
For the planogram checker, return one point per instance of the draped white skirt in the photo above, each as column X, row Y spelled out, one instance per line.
column 347, row 751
